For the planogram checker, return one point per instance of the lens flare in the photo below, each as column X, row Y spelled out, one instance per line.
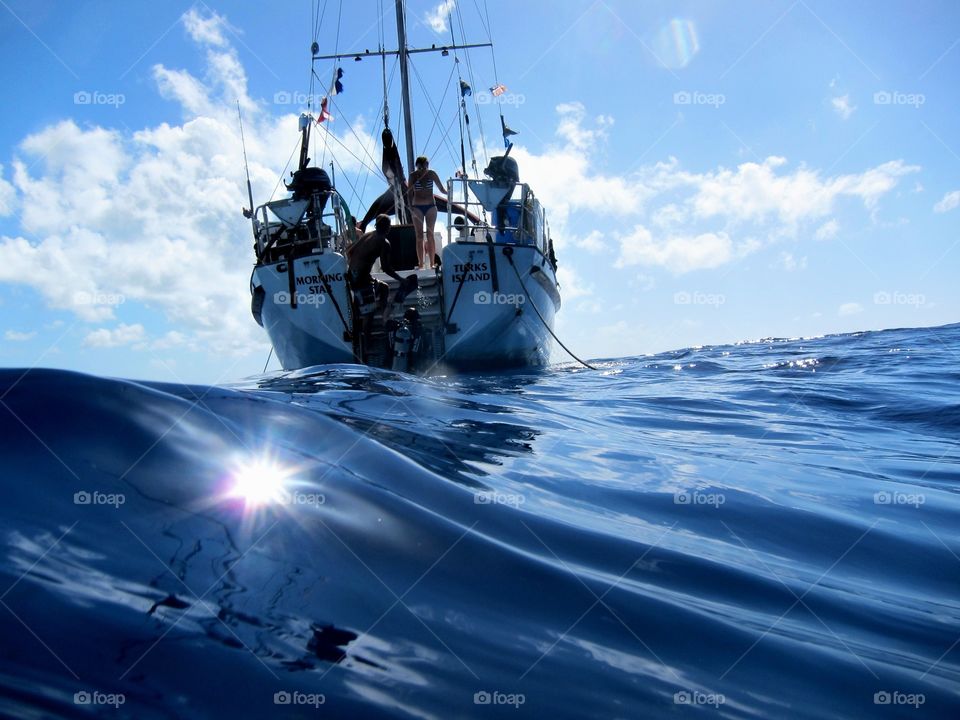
column 676, row 44
column 260, row 482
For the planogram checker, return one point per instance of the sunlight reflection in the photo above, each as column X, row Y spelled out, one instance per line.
column 260, row 482
column 677, row 44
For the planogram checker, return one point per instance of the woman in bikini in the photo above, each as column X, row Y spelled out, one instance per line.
column 420, row 188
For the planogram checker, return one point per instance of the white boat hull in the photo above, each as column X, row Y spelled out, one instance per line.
column 490, row 319
column 497, row 327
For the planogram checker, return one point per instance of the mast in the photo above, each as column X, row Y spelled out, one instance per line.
column 405, row 83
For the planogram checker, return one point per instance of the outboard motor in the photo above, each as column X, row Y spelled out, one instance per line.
column 503, row 170
column 406, row 340
column 309, row 181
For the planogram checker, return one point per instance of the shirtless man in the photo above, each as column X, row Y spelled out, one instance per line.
column 360, row 258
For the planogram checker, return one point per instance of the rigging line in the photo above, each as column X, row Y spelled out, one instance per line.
column 476, row 105
column 336, row 45
column 449, row 125
column 355, row 135
column 484, row 25
column 461, row 106
column 353, row 154
column 316, row 31
column 436, row 115
column 318, row 23
column 436, row 111
column 368, row 150
column 378, row 128
column 269, row 355
column 489, row 28
column 464, row 119
column 345, row 176
column 547, row 326
column 283, row 172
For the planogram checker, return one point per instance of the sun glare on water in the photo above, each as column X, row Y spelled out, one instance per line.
column 260, row 482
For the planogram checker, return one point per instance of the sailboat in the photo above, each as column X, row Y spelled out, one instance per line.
column 490, row 297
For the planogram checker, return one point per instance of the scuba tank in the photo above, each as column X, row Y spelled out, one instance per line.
column 406, row 340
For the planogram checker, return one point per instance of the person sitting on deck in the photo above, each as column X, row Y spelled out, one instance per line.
column 424, row 207
column 361, row 256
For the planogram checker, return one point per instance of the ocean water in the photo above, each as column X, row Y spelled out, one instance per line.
column 769, row 529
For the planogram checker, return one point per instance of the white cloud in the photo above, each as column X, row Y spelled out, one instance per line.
column 949, row 201
column 685, row 220
column 677, row 253
column 8, row 196
column 437, row 18
column 759, row 193
column 571, row 284
column 828, row 230
column 119, row 336
column 206, row 31
column 843, row 107
column 790, row 263
column 850, row 308
column 15, row 336
column 153, row 217
column 593, row 243
column 171, row 340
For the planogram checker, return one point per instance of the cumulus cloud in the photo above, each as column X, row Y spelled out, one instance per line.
column 8, row 195
column 843, row 107
column 828, row 230
column 789, row 262
column 153, row 217
column 16, row 336
column 437, row 18
column 949, row 201
column 676, row 252
column 205, row 30
column 684, row 220
column 117, row 337
column 571, row 284
column 850, row 308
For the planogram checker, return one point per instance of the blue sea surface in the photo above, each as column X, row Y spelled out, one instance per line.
column 769, row 529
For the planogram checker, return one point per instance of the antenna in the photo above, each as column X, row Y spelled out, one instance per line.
column 246, row 167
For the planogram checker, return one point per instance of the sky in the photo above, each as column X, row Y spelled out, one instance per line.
column 713, row 172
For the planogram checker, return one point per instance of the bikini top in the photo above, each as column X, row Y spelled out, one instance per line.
column 422, row 183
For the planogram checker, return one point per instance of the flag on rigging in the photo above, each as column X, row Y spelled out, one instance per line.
column 324, row 114
column 498, row 90
column 507, row 132
column 465, row 89
column 337, row 87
